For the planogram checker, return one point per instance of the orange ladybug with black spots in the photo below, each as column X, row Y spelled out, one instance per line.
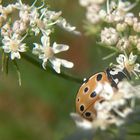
column 88, row 93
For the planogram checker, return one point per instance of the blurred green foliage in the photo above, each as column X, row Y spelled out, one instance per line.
column 40, row 108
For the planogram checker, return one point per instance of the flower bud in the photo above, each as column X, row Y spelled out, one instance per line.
column 129, row 20
column 102, row 14
column 92, row 13
column 138, row 46
column 121, row 27
column 9, row 9
column 133, row 39
column 136, row 27
column 109, row 18
column 109, row 36
column 123, row 44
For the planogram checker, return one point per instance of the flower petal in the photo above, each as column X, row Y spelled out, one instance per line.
column 137, row 67
column 44, row 63
column 15, row 55
column 37, row 49
column 132, row 58
column 36, row 30
column 66, row 63
column 45, row 40
column 6, row 49
column 42, row 56
column 81, row 122
column 65, row 25
column 22, row 48
column 59, row 47
column 121, row 59
column 55, row 64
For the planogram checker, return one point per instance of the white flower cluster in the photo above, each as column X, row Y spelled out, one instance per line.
column 19, row 21
column 120, row 19
column 46, row 52
column 125, row 27
column 122, row 34
column 113, row 108
column 93, row 8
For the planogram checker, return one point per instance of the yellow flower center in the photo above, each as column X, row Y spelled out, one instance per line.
column 40, row 24
column 49, row 52
column 14, row 45
column 129, row 67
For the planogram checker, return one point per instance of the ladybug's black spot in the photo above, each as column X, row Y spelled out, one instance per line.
column 87, row 114
column 86, row 89
column 99, row 77
column 82, row 108
column 78, row 100
column 101, row 101
column 93, row 94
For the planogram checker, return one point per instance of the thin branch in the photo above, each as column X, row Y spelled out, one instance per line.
column 6, row 63
column 50, row 70
column 108, row 47
column 109, row 56
column 18, row 71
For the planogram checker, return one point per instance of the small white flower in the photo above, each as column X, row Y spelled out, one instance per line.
column 13, row 46
column 36, row 23
column 133, row 39
column 81, row 122
column 138, row 46
column 102, row 14
column 50, row 15
column 46, row 53
column 19, row 27
column 109, row 36
column 121, row 27
column 129, row 20
column 129, row 63
column 92, row 14
column 126, row 90
column 108, row 91
column 118, row 15
column 101, row 106
column 6, row 30
column 116, row 12
column 123, row 44
column 136, row 26
column 24, row 11
column 66, row 26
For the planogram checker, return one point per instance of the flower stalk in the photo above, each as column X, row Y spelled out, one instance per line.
column 63, row 75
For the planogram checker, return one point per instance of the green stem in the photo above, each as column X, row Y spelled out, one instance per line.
column 109, row 56
column 49, row 69
column 18, row 71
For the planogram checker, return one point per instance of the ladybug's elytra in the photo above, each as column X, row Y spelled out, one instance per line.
column 88, row 93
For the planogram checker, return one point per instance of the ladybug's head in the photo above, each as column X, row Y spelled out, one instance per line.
column 116, row 75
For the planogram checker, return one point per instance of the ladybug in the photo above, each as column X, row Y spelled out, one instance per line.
column 88, row 93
